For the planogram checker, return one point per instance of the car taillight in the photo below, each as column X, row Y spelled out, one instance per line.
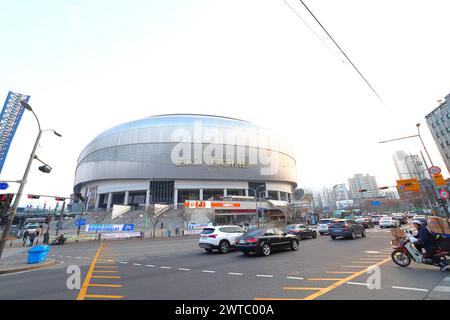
column 251, row 240
column 212, row 236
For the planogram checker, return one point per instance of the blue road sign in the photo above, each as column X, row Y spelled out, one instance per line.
column 3, row 185
column 128, row 227
column 80, row 222
column 376, row 203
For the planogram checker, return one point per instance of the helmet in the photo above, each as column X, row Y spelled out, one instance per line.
column 417, row 222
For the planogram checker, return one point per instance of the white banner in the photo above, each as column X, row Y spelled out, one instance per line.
column 122, row 235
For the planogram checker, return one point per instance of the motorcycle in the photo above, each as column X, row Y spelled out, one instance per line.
column 405, row 252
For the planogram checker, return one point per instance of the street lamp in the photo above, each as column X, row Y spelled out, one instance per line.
column 256, row 192
column 13, row 208
column 429, row 158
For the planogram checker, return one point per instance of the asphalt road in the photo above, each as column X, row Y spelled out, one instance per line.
column 177, row 269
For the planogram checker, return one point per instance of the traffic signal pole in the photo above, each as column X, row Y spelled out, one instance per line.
column 60, row 218
column 13, row 209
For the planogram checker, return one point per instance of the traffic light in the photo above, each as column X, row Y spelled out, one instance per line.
column 5, row 202
column 362, row 190
column 383, row 188
column 45, row 169
column 60, row 199
column 33, row 196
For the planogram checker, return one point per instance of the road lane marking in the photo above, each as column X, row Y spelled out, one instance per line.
column 123, row 262
column 365, row 262
column 235, row 273
column 372, row 252
column 184, row 269
column 303, row 288
column 208, row 271
column 105, row 285
column 324, row 279
column 264, row 275
column 295, row 278
column 358, row 283
column 150, row 265
column 82, row 293
column 137, row 264
column 106, row 277
column 166, row 267
column 102, row 296
column 442, row 289
column 77, row 257
column 412, row 289
column 107, row 267
column 105, row 271
column 371, row 259
column 343, row 281
column 354, row 266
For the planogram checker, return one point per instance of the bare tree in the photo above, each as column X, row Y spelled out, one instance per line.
column 187, row 214
column 156, row 212
column 98, row 216
column 210, row 215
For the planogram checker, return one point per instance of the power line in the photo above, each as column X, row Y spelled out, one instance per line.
column 312, row 30
column 342, row 51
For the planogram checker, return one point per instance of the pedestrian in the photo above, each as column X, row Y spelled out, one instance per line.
column 25, row 237
column 32, row 236
column 46, row 237
column 162, row 225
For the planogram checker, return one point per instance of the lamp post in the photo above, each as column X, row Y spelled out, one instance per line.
column 256, row 190
column 13, row 209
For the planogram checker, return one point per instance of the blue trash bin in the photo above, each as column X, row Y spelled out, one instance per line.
column 38, row 254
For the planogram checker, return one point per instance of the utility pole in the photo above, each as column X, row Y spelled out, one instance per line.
column 83, row 209
column 60, row 218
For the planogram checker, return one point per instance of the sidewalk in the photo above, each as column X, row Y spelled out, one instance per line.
column 441, row 291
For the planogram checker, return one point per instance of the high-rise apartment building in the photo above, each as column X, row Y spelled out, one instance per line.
column 408, row 166
column 360, row 182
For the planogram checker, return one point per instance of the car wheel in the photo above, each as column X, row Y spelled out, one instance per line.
column 353, row 235
column 333, row 237
column 265, row 249
column 363, row 233
column 314, row 235
column 208, row 250
column 294, row 245
column 224, row 246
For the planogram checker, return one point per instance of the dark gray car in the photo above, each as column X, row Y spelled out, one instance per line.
column 346, row 228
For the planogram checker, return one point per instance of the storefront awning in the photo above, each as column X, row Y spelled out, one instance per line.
column 277, row 203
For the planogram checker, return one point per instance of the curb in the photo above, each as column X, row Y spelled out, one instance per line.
column 441, row 291
column 48, row 263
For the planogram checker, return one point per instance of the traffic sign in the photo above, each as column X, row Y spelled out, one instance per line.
column 80, row 222
column 444, row 194
column 3, row 185
column 408, row 185
column 435, row 170
column 439, row 179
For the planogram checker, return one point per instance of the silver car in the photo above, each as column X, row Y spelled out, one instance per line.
column 322, row 226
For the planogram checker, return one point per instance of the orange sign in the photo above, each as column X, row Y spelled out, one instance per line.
column 439, row 179
column 412, row 185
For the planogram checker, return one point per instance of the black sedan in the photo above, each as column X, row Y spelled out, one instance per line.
column 264, row 241
column 365, row 222
column 300, row 230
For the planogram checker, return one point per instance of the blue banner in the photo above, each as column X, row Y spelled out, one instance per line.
column 109, row 227
column 9, row 121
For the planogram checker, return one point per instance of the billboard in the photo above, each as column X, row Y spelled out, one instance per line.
column 9, row 121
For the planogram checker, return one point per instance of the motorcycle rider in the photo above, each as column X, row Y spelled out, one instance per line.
column 426, row 241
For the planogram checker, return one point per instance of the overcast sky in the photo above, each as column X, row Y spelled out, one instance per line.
column 91, row 65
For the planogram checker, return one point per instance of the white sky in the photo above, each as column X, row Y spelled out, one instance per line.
column 90, row 66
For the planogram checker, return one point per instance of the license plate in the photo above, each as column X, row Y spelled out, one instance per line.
column 337, row 230
column 204, row 238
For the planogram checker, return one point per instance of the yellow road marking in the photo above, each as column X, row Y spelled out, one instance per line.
column 105, row 271
column 105, row 262
column 101, row 296
column 340, row 272
column 324, row 279
column 82, row 293
column 302, row 288
column 107, row 267
column 106, row 277
column 105, row 285
column 343, row 281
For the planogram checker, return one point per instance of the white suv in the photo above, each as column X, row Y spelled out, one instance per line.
column 323, row 226
column 387, row 222
column 220, row 237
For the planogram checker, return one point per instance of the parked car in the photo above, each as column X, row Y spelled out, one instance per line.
column 346, row 228
column 366, row 222
column 264, row 241
column 400, row 217
column 376, row 218
column 222, row 238
column 389, row 222
column 322, row 227
column 301, row 230
column 31, row 227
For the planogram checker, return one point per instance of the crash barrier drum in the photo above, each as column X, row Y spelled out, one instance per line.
column 38, row 254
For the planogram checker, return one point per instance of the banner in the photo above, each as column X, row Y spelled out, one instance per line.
column 123, row 235
column 109, row 227
column 9, row 121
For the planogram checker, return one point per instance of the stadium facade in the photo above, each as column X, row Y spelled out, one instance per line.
column 179, row 157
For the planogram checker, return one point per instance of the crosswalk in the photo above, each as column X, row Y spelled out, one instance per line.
column 379, row 230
